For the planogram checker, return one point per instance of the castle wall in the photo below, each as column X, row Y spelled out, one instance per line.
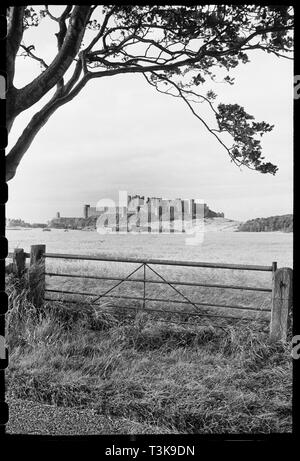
column 147, row 210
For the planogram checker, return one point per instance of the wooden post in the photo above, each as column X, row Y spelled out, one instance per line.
column 282, row 299
column 37, row 274
column 19, row 261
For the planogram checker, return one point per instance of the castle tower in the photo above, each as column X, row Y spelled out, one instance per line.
column 58, row 215
column 86, row 211
column 192, row 209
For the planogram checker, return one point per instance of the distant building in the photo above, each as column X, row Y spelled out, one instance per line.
column 86, row 211
column 149, row 212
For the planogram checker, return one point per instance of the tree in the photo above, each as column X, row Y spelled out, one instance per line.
column 175, row 48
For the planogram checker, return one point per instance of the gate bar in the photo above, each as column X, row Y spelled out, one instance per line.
column 192, row 284
column 161, row 262
column 176, row 301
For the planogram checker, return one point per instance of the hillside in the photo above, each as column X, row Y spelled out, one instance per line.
column 221, row 225
column 210, row 224
column 283, row 223
column 73, row 223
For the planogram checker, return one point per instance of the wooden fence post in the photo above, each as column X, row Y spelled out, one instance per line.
column 19, row 261
column 282, row 300
column 37, row 274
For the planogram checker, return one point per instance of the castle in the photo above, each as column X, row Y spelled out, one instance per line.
column 150, row 214
column 140, row 214
column 141, row 202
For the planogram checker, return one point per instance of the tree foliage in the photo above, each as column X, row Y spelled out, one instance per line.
column 272, row 223
column 20, row 223
column 177, row 49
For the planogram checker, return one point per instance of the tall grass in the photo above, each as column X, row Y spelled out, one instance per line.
column 201, row 378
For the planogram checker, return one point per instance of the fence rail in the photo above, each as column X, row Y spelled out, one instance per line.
column 173, row 282
column 156, row 261
column 281, row 300
column 161, row 262
column 163, row 300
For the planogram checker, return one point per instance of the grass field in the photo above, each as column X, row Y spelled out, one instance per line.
column 148, row 376
column 231, row 247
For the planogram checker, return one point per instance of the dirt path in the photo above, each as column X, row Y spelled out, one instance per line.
column 27, row 417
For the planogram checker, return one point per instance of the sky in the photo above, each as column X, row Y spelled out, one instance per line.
column 119, row 134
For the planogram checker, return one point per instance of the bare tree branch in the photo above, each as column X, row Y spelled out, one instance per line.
column 51, row 15
column 14, row 38
column 32, row 92
column 36, row 123
column 101, row 31
column 181, row 94
column 29, row 53
column 62, row 26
